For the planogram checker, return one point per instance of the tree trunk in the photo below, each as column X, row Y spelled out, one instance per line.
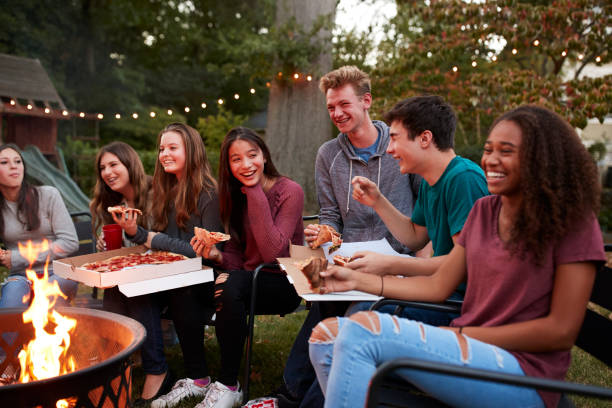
column 298, row 122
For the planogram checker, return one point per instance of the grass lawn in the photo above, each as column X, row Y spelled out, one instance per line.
column 274, row 336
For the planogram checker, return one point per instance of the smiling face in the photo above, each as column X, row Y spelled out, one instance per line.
column 347, row 110
column 402, row 148
column 501, row 161
column 172, row 153
column 246, row 162
column 114, row 173
column 11, row 169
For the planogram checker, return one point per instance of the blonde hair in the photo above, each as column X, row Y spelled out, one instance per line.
column 348, row 74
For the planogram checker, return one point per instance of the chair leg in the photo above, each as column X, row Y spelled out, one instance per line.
column 249, row 342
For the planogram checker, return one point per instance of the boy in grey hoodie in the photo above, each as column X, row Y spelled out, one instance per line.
column 359, row 150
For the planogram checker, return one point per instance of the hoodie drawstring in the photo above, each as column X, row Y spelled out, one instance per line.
column 348, row 195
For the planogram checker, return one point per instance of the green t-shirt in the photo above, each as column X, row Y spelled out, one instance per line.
column 444, row 207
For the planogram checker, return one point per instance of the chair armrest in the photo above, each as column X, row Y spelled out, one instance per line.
column 310, row 217
column 449, row 305
column 480, row 374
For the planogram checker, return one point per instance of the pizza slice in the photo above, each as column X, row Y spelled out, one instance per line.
column 209, row 238
column 311, row 268
column 120, row 210
column 327, row 234
column 341, row 260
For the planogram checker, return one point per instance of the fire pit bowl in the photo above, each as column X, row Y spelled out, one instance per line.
column 101, row 345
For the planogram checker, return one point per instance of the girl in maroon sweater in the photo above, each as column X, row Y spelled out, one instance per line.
column 262, row 211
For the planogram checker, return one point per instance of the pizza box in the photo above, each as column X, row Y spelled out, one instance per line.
column 70, row 268
column 302, row 287
column 166, row 283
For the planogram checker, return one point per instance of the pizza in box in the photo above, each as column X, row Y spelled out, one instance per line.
column 117, row 263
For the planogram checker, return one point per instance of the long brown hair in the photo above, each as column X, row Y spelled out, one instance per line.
column 231, row 199
column 184, row 193
column 105, row 197
column 27, row 199
column 558, row 179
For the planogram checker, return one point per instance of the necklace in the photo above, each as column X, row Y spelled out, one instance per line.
column 265, row 183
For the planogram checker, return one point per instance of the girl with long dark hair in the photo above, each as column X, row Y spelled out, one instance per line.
column 31, row 213
column 262, row 211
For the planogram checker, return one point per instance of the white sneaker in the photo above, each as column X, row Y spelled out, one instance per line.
column 182, row 389
column 219, row 396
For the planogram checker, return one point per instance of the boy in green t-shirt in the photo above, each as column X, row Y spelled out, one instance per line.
column 422, row 140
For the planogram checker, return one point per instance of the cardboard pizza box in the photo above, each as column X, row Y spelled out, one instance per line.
column 302, row 287
column 70, row 268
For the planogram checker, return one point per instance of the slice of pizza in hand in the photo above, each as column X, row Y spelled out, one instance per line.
column 120, row 210
column 311, row 268
column 341, row 260
column 209, row 238
column 327, row 234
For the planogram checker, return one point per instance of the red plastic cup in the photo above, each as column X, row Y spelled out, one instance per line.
column 112, row 236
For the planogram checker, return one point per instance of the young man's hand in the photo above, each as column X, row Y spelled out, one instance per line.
column 310, row 233
column 365, row 191
column 337, row 279
column 369, row 262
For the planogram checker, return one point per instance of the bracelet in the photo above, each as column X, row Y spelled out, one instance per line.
column 460, row 329
column 382, row 285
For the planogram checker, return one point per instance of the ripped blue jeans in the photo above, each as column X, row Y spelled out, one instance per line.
column 346, row 362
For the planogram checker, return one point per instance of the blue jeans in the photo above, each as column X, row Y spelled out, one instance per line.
column 345, row 365
column 16, row 288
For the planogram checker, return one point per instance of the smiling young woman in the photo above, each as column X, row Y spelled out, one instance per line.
column 262, row 211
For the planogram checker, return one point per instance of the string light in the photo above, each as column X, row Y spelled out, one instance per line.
column 117, row 116
column 296, row 76
column 65, row 112
column 598, row 59
column 236, row 96
column 220, row 101
column 82, row 114
column 536, row 43
column 580, row 57
column 252, row 90
column 280, row 74
column 309, row 78
column 47, row 111
column 203, row 105
column 268, row 84
column 135, row 115
column 564, row 53
column 29, row 106
column 455, row 69
column 13, row 103
column 494, row 58
column 169, row 112
column 514, row 51
column 152, row 114
column 100, row 116
column 474, row 64
column 187, row 109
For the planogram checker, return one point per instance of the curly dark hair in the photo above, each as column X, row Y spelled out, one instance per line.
column 558, row 179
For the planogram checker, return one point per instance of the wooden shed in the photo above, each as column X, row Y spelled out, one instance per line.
column 30, row 105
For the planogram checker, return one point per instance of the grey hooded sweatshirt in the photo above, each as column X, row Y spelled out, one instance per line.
column 337, row 164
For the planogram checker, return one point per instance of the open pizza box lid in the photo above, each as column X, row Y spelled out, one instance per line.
column 70, row 268
column 302, row 287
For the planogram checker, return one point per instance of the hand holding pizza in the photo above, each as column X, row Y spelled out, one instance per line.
column 126, row 218
column 337, row 279
column 203, row 243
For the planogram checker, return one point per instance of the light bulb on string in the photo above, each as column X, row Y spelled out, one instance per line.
column 82, row 114
column 309, row 78
column 494, row 58
column 514, row 51
column 474, row 64
column 564, row 53
column 47, row 111
column 536, row 43
column 100, row 116
column 220, row 101
column 203, row 105
column 152, row 114
column 117, row 116
column 598, row 59
column 296, row 76
column 187, row 109
column 65, row 112
column 135, row 115
column 252, row 90
column 169, row 112
column 580, row 57
column 29, row 106
column 236, row 96
column 13, row 103
column 455, row 69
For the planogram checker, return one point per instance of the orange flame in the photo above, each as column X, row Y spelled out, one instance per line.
column 45, row 355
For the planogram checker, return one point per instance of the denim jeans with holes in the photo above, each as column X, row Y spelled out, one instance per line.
column 358, row 351
column 16, row 288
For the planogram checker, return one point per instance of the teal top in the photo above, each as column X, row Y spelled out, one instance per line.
column 367, row 152
column 444, row 207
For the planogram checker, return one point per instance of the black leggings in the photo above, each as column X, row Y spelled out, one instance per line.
column 275, row 295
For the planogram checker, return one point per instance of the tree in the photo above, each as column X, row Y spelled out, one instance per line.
column 488, row 57
column 297, row 119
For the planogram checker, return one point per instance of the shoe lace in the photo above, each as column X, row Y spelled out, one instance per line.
column 178, row 390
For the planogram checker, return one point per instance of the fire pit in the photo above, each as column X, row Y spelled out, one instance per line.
column 101, row 345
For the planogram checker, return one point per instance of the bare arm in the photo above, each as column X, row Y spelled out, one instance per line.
column 403, row 229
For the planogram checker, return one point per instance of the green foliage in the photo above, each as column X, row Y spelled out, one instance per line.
column 605, row 213
column 80, row 161
column 213, row 129
column 597, row 150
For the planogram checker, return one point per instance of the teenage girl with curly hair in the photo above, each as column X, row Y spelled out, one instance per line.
column 529, row 253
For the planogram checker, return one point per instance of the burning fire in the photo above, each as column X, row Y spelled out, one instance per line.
column 45, row 355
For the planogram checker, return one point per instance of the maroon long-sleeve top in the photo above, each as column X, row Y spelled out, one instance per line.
column 272, row 220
